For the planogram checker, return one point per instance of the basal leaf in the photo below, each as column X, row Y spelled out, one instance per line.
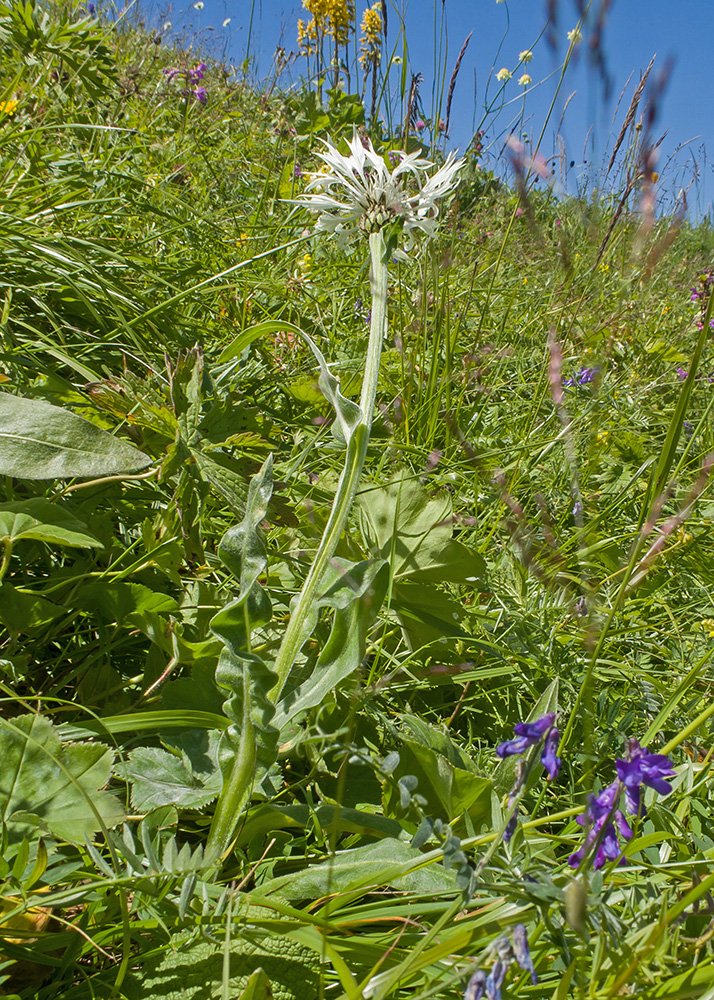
column 412, row 529
column 41, row 441
column 47, row 786
column 194, row 969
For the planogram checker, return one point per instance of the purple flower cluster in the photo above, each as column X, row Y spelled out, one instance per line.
column 192, row 77
column 583, row 377
column 603, row 819
column 530, row 733
column 527, row 735
column 506, row 952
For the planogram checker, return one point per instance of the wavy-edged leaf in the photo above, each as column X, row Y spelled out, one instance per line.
column 356, row 592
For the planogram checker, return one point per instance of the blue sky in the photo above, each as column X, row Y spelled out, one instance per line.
column 635, row 30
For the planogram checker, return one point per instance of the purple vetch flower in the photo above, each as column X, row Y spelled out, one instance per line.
column 602, row 820
column 91, row 9
column 522, row 951
column 643, row 768
column 682, row 373
column 201, row 94
column 476, row 985
column 583, row 377
column 297, row 172
column 527, row 735
column 494, row 980
column 549, row 758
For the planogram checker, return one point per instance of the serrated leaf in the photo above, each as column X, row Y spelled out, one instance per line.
column 46, row 786
column 41, row 441
column 187, row 778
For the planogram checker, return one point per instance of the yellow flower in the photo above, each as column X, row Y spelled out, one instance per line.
column 684, row 537
column 708, row 626
column 525, row 56
column 524, row 80
column 329, row 17
column 8, row 107
column 371, row 38
column 503, row 75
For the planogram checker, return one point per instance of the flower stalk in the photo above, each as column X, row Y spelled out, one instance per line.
column 351, row 473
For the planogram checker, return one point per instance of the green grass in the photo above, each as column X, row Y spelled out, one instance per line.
column 142, row 234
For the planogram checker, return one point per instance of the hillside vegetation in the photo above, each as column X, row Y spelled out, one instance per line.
column 474, row 758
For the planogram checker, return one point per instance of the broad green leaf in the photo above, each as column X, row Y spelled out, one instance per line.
column 366, row 868
column 413, row 530
column 41, row 441
column 193, row 969
column 450, row 791
column 50, row 787
column 265, row 819
column 118, row 601
column 21, row 613
column 45, row 522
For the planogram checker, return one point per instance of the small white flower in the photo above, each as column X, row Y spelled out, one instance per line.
column 372, row 195
column 167, row 26
column 226, row 22
column 503, row 75
column 525, row 56
column 524, row 80
column 199, row 5
column 575, row 36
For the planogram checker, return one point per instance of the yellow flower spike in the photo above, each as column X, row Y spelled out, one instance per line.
column 371, row 37
column 8, row 107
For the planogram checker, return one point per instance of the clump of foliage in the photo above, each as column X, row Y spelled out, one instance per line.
column 474, row 757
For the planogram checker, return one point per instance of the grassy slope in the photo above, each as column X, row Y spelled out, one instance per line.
column 123, row 207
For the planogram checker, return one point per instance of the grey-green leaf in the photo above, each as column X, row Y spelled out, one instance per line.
column 41, row 441
column 45, row 522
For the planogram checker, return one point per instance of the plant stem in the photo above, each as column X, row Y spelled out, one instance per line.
column 350, row 476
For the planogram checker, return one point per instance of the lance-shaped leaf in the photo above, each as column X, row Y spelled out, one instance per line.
column 41, row 441
column 356, row 592
column 50, row 787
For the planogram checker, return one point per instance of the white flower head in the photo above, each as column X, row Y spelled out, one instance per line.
column 575, row 36
column 525, row 56
column 199, row 5
column 358, row 193
column 226, row 22
column 524, row 80
column 503, row 75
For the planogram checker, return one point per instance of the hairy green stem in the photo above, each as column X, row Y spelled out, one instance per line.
column 349, row 479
